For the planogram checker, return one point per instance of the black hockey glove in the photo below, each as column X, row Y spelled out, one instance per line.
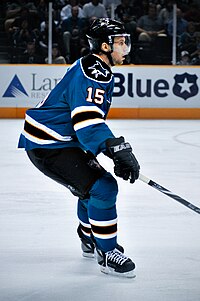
column 126, row 165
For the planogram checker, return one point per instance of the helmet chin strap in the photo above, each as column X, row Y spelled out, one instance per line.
column 108, row 54
column 110, row 58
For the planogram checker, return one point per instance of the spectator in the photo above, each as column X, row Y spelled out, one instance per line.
column 187, row 39
column 108, row 5
column 44, row 35
column 57, row 58
column 66, row 10
column 124, row 12
column 181, row 25
column 42, row 10
column 57, row 7
column 72, row 30
column 166, row 13
column 22, row 30
column 94, row 9
column 24, row 34
column 193, row 13
column 18, row 4
column 24, row 14
column 195, row 54
column 31, row 55
column 151, row 25
column 17, row 9
column 185, row 59
column 142, row 8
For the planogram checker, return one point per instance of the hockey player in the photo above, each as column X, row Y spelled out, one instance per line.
column 65, row 132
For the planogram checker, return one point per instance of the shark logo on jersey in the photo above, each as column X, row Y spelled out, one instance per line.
column 185, row 85
column 98, row 70
column 15, row 89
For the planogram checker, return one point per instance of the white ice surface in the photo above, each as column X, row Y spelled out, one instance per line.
column 40, row 256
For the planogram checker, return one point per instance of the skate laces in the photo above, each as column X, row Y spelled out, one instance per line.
column 116, row 256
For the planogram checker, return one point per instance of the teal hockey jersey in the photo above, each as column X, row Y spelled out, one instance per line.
column 74, row 112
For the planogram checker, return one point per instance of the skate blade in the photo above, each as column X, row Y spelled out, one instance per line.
column 110, row 271
column 88, row 255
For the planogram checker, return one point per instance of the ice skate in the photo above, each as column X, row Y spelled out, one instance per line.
column 116, row 263
column 87, row 246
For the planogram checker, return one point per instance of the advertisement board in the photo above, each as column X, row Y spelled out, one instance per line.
column 138, row 89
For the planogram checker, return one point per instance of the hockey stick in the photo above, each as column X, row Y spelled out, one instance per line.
column 169, row 193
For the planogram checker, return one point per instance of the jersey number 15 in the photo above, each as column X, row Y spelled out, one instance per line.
column 97, row 96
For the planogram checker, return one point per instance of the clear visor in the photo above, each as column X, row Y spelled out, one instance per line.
column 121, row 43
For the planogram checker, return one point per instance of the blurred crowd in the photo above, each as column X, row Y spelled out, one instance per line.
column 149, row 23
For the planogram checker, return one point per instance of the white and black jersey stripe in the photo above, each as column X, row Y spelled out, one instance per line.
column 85, row 116
column 41, row 134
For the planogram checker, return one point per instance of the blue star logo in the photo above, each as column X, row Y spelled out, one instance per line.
column 185, row 85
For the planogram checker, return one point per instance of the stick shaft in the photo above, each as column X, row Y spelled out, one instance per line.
column 169, row 193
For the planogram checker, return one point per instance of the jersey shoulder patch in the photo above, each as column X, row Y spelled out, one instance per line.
column 94, row 68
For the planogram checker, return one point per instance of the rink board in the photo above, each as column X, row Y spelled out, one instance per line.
column 167, row 92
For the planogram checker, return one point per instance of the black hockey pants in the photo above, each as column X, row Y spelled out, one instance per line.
column 71, row 167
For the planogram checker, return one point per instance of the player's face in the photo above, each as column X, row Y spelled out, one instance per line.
column 120, row 49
